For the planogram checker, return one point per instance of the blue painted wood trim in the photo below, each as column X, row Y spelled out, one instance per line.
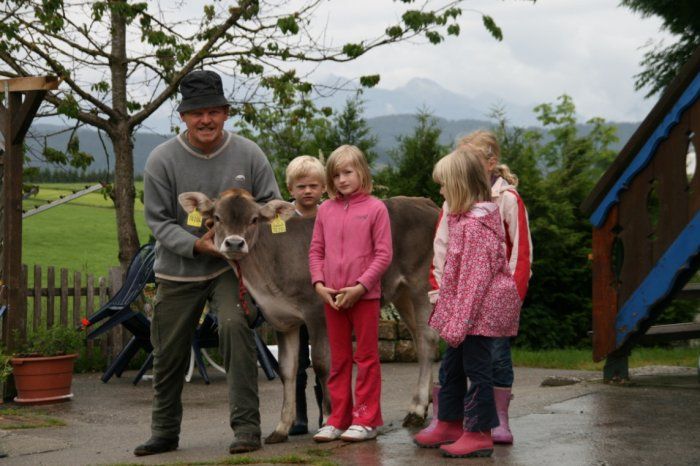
column 659, row 281
column 641, row 160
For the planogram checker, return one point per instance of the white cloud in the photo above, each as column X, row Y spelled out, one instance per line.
column 589, row 50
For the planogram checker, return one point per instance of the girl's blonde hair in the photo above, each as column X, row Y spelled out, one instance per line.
column 464, row 178
column 485, row 144
column 353, row 156
column 303, row 166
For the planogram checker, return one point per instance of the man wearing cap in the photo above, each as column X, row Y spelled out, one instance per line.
column 189, row 268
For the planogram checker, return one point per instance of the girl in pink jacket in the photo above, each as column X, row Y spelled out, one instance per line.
column 478, row 302
column 350, row 251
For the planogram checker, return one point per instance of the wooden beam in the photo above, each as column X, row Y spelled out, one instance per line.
column 689, row 291
column 33, row 83
column 63, row 200
column 22, row 119
column 605, row 293
column 15, row 320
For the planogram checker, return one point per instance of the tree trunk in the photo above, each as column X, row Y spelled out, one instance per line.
column 124, row 196
column 121, row 135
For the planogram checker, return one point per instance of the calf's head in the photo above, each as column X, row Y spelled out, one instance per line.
column 235, row 218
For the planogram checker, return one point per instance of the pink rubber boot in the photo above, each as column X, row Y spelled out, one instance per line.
column 502, row 433
column 470, row 445
column 443, row 432
column 434, row 420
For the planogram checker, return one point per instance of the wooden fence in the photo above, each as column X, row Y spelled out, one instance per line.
column 59, row 297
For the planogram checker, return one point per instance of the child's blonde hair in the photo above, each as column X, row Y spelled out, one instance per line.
column 464, row 178
column 302, row 166
column 485, row 144
column 354, row 156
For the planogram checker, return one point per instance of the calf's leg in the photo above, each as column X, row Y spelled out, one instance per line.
column 288, row 361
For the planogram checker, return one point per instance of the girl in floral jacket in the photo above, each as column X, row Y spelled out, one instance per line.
column 478, row 302
column 519, row 253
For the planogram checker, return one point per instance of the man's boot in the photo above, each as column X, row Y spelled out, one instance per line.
column 502, row 433
column 244, row 442
column 156, row 445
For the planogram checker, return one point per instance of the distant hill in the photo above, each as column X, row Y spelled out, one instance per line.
column 386, row 128
column 90, row 142
column 422, row 93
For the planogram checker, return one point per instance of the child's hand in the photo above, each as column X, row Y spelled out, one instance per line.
column 326, row 294
column 350, row 295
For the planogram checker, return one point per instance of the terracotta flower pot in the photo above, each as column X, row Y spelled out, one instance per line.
column 42, row 380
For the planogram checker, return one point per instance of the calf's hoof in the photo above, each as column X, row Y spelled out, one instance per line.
column 413, row 420
column 276, row 437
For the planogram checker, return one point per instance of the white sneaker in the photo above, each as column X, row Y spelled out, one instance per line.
column 358, row 433
column 327, row 434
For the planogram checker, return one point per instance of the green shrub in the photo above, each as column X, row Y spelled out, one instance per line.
column 55, row 341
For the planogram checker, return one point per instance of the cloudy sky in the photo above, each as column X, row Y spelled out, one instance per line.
column 588, row 49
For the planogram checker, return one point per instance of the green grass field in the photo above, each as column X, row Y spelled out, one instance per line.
column 80, row 235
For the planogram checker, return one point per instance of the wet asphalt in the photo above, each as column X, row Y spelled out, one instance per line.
column 655, row 420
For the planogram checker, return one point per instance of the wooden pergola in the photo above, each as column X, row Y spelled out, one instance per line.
column 20, row 100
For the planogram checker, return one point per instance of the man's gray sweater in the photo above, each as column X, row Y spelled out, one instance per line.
column 175, row 167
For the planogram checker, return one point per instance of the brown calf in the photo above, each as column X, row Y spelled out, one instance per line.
column 275, row 269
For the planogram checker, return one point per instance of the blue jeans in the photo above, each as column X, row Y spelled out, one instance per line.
column 474, row 404
column 502, row 364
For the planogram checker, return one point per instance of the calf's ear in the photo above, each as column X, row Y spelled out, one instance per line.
column 194, row 200
column 274, row 208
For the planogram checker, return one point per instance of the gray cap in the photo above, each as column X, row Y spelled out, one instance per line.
column 201, row 89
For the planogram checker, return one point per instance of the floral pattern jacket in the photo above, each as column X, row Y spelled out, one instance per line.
column 478, row 295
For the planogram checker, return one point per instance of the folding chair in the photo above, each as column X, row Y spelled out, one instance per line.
column 207, row 336
column 118, row 311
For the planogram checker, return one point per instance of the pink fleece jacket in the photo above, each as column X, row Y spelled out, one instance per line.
column 351, row 243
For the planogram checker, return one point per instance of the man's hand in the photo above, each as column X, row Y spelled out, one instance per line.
column 350, row 295
column 205, row 245
column 326, row 294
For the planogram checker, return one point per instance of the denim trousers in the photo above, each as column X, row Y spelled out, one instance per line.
column 473, row 402
column 502, row 364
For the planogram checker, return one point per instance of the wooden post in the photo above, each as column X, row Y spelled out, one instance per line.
column 16, row 116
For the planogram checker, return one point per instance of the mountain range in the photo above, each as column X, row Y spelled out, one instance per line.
column 386, row 129
column 390, row 113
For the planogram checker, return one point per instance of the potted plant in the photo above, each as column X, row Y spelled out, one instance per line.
column 43, row 369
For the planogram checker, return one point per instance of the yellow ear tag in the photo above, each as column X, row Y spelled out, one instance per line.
column 194, row 219
column 278, row 225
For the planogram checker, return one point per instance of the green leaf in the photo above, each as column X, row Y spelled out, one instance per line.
column 353, row 50
column 434, row 37
column 370, row 80
column 102, row 86
column 453, row 29
column 54, row 155
column 248, row 68
column 69, row 107
column 133, row 106
column 288, row 25
column 394, row 31
column 491, row 26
